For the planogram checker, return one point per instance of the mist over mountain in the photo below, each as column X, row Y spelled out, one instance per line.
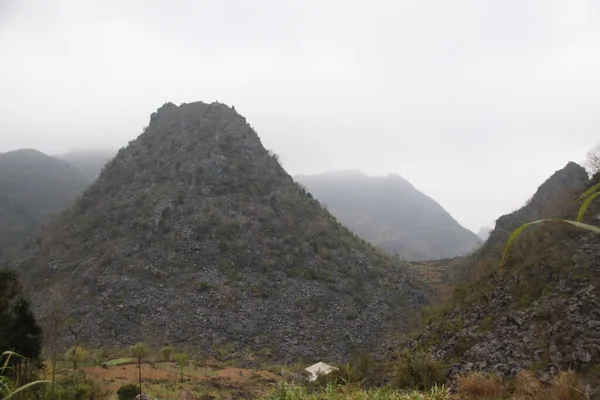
column 194, row 234
column 391, row 213
column 33, row 186
column 88, row 162
column 484, row 232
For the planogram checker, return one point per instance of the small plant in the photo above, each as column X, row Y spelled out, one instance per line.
column 181, row 359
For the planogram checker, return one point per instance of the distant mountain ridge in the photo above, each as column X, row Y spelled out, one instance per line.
column 391, row 213
column 33, row 186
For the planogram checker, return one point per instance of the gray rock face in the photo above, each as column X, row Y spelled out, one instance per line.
column 195, row 235
column 543, row 315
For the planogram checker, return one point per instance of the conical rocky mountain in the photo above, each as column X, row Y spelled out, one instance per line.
column 391, row 213
column 33, row 186
column 195, row 235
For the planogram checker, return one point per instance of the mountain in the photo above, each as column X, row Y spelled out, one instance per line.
column 88, row 162
column 194, row 234
column 391, row 213
column 541, row 312
column 33, row 186
column 484, row 233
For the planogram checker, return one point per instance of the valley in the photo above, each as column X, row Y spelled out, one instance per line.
column 232, row 278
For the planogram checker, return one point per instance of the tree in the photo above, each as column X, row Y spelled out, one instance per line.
column 592, row 162
column 19, row 331
column 181, row 359
column 139, row 351
column 54, row 320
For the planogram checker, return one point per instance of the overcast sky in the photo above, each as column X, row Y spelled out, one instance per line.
column 474, row 102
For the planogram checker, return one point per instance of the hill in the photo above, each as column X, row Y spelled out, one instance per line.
column 33, row 186
column 194, row 234
column 391, row 213
column 90, row 162
column 541, row 313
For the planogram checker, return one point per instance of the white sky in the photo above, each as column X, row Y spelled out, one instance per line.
column 475, row 102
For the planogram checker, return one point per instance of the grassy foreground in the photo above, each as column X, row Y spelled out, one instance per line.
column 286, row 391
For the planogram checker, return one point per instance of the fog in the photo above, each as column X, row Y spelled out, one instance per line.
column 474, row 102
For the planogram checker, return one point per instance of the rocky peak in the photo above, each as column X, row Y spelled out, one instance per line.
column 194, row 234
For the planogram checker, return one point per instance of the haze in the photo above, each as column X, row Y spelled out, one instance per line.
column 475, row 102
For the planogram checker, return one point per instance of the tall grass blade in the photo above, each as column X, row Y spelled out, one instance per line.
column 585, row 205
column 21, row 388
column 520, row 229
column 588, row 192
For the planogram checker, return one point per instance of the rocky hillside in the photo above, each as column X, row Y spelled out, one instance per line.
column 33, row 186
column 542, row 313
column 391, row 213
column 194, row 234
column 89, row 163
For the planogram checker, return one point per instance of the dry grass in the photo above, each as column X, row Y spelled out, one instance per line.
column 527, row 385
column 479, row 386
column 565, row 386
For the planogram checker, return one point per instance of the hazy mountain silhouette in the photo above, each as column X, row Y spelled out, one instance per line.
column 33, row 186
column 391, row 213
column 88, row 162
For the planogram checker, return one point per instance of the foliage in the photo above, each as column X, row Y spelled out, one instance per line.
column 418, row 370
column 165, row 353
column 19, row 331
column 77, row 354
column 286, row 391
column 128, row 392
column 120, row 361
column 139, row 350
column 7, row 386
column 181, row 359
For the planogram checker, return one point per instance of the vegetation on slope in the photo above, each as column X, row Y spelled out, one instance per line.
column 195, row 228
column 33, row 186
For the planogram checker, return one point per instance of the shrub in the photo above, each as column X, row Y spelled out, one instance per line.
column 165, row 353
column 479, row 386
column 128, row 392
column 418, row 371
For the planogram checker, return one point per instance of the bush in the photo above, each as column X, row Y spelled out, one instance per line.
column 165, row 353
column 128, row 392
column 418, row 371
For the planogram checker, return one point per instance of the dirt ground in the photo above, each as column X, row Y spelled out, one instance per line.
column 124, row 374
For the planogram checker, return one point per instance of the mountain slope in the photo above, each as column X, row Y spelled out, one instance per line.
column 194, row 234
column 89, row 163
column 392, row 214
column 542, row 313
column 33, row 186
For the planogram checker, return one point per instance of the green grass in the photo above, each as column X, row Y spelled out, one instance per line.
column 286, row 391
column 120, row 361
